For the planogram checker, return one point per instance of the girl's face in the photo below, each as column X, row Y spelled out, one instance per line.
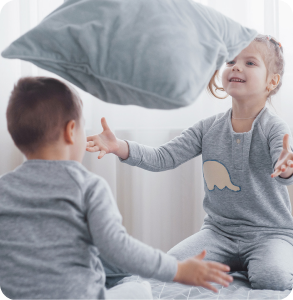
column 245, row 76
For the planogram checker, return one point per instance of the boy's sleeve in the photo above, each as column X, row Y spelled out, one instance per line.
column 170, row 155
column 276, row 135
column 114, row 243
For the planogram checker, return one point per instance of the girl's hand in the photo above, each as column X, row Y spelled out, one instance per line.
column 284, row 165
column 195, row 271
column 105, row 142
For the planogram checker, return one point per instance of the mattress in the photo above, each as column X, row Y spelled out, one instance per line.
column 238, row 289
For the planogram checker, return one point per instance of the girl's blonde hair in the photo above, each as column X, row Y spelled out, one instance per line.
column 273, row 58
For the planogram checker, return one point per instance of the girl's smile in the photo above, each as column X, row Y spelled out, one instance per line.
column 245, row 76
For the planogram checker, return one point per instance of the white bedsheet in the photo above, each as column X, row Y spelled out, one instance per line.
column 239, row 289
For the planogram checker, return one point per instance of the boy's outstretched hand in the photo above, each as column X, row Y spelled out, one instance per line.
column 195, row 271
column 284, row 165
column 104, row 142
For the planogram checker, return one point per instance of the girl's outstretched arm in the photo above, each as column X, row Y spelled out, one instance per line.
column 168, row 156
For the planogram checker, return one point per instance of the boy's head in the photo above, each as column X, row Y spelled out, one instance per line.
column 43, row 112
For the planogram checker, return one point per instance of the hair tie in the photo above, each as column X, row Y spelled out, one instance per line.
column 274, row 41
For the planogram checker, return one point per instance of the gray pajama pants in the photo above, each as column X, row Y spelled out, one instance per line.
column 269, row 261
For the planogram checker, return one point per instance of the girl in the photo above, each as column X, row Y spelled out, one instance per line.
column 247, row 161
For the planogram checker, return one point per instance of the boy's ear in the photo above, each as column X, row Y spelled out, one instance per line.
column 69, row 132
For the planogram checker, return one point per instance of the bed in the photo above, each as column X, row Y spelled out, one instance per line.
column 239, row 289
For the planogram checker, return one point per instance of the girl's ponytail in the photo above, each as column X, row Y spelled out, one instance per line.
column 213, row 86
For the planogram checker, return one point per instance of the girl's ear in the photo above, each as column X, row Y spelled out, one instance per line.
column 275, row 81
column 69, row 134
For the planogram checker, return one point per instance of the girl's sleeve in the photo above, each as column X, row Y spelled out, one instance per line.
column 170, row 155
column 113, row 242
column 275, row 140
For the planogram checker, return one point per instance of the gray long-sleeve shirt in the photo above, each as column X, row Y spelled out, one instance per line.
column 55, row 218
column 241, row 200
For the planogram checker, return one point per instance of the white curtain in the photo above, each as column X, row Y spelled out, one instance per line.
column 160, row 209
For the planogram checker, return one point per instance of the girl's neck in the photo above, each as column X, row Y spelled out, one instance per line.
column 244, row 113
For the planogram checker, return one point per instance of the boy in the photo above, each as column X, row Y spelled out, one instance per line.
column 56, row 217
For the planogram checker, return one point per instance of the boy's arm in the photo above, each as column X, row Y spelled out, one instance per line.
column 168, row 156
column 129, row 254
column 113, row 242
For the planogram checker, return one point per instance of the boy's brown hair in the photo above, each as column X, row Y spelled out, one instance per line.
column 38, row 111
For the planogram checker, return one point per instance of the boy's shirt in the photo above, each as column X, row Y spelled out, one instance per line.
column 55, row 219
column 241, row 200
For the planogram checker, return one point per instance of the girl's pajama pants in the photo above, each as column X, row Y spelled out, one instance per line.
column 268, row 260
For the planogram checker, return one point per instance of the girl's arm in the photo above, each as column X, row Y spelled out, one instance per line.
column 122, row 150
column 168, row 156
column 280, row 143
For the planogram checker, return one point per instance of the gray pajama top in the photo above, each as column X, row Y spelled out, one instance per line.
column 241, row 199
column 55, row 219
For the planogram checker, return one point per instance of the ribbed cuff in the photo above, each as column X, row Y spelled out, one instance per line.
column 285, row 181
column 168, row 268
column 134, row 157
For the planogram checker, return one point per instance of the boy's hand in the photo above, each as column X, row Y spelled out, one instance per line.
column 284, row 165
column 105, row 142
column 195, row 271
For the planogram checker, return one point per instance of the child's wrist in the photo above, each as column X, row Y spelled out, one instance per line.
column 178, row 276
column 122, row 149
column 287, row 174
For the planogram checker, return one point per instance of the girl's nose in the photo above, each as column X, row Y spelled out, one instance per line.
column 236, row 68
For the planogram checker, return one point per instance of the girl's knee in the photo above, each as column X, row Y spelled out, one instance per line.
column 278, row 280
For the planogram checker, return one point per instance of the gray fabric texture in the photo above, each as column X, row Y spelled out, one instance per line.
column 113, row 274
column 55, row 219
column 151, row 53
column 251, row 204
column 267, row 260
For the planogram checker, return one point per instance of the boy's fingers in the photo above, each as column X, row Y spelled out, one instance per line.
column 283, row 168
column 219, row 280
column 225, row 277
column 228, row 278
column 218, row 266
column 201, row 255
column 290, row 163
column 209, row 286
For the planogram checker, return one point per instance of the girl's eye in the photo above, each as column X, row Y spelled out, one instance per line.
column 232, row 62
column 250, row 63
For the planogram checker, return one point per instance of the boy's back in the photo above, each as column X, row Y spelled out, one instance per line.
column 55, row 218
column 43, row 229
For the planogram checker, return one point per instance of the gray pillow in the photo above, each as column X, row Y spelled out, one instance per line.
column 151, row 53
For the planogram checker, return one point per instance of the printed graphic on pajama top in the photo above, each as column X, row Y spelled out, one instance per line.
column 217, row 175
